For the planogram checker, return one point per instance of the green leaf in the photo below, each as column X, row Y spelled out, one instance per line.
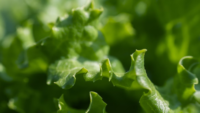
column 18, row 100
column 1, row 29
column 63, row 72
column 76, row 34
column 3, row 74
column 118, row 29
column 73, row 46
column 187, row 80
column 64, row 108
column 97, row 105
column 11, row 47
column 155, row 99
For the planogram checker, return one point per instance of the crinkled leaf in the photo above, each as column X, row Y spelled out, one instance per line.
column 76, row 34
column 63, row 72
column 155, row 99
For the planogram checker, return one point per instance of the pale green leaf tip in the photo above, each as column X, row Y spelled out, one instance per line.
column 90, row 5
column 142, row 50
column 186, row 57
column 61, row 102
column 93, row 95
column 137, row 52
column 181, row 68
column 97, row 105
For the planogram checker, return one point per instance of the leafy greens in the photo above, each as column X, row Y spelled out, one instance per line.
column 52, row 68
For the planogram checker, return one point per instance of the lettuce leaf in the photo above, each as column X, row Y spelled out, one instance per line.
column 178, row 91
column 73, row 47
column 97, row 105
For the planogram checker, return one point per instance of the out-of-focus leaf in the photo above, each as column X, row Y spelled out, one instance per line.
column 1, row 28
column 166, row 9
column 76, row 34
column 18, row 102
column 3, row 74
column 14, row 44
column 118, row 29
column 16, row 60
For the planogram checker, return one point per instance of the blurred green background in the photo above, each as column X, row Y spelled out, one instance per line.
column 168, row 29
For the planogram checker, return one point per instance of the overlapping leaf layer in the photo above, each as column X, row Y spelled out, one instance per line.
column 56, row 69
